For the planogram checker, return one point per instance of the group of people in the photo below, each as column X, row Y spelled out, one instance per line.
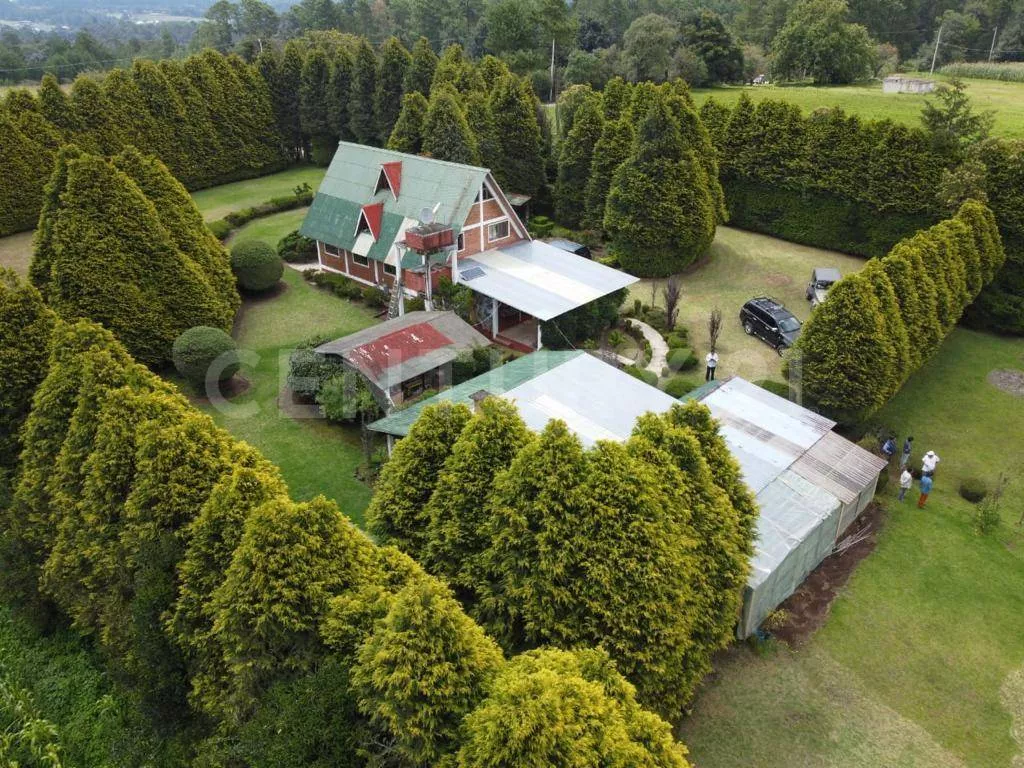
column 928, row 464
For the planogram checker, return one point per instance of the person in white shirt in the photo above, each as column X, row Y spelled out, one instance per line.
column 711, row 359
column 928, row 463
column 906, row 481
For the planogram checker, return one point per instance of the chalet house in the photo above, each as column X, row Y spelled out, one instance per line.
column 402, row 357
column 402, row 222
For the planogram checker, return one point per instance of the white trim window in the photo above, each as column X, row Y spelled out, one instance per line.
column 499, row 230
column 332, row 250
column 362, row 261
column 460, row 242
column 389, row 269
column 486, row 194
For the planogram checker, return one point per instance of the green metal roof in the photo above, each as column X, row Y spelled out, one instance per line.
column 425, row 182
column 497, row 382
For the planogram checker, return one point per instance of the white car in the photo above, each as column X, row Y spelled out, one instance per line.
column 822, row 278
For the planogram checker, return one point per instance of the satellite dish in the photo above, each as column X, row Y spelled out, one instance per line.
column 426, row 215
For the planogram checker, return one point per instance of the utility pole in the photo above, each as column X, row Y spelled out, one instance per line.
column 935, row 55
column 992, row 50
column 552, row 99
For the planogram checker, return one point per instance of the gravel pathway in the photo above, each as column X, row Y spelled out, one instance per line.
column 659, row 347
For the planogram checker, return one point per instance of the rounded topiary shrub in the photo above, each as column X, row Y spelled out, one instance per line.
column 678, row 386
column 973, row 489
column 682, row 359
column 199, row 348
column 256, row 265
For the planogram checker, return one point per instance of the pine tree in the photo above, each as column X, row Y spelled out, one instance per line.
column 387, row 101
column 292, row 558
column 660, row 213
column 284, row 92
column 168, row 112
column 492, row 69
column 424, row 667
column 446, row 134
column 982, row 223
column 55, row 106
column 521, row 165
column 845, row 353
column 615, row 99
column 25, row 327
column 535, row 502
column 314, row 94
column 340, row 93
column 967, row 247
column 128, row 110
column 181, row 218
column 931, row 260
column 484, row 129
column 919, row 325
column 397, row 512
column 695, row 137
column 552, row 707
column 898, row 365
column 93, row 116
column 113, row 262
column 40, row 271
column 455, row 70
column 737, row 143
column 21, row 194
column 200, row 136
column 574, row 163
column 610, row 152
column 422, row 64
column 362, row 121
column 928, row 293
column 411, row 125
column 457, row 508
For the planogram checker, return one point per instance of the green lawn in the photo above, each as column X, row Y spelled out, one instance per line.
column 271, row 228
column 927, row 641
column 739, row 266
column 217, row 202
column 314, row 456
column 868, row 101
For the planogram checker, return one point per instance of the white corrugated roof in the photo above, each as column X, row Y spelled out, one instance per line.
column 539, row 279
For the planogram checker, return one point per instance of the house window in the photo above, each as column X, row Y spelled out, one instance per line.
column 331, row 250
column 487, row 194
column 362, row 261
column 498, row 230
column 389, row 269
column 460, row 242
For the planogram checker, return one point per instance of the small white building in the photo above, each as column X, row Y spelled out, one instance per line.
column 904, row 84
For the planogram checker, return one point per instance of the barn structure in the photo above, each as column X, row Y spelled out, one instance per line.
column 405, row 222
column 402, row 357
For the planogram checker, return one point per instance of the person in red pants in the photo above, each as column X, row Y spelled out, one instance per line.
column 926, row 488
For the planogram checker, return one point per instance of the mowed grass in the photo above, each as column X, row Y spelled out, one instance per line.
column 741, row 265
column 269, row 229
column 218, row 202
column 926, row 641
column 868, row 101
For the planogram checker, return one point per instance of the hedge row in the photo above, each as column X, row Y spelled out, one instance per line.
column 207, row 588
column 881, row 324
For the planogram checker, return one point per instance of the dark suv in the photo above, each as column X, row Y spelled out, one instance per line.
column 768, row 320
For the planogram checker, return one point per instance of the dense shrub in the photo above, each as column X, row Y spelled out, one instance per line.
column 472, row 363
column 374, row 297
column 678, row 386
column 220, row 229
column 541, row 226
column 296, row 249
column 308, row 369
column 656, row 318
column 973, row 489
column 775, row 387
column 256, row 266
column 339, row 285
column 197, row 349
column 648, row 377
column 678, row 339
column 682, row 359
column 582, row 323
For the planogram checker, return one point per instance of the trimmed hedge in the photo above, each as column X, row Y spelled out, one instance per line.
column 648, row 377
column 198, row 348
column 256, row 266
column 973, row 489
column 682, row 359
column 678, row 386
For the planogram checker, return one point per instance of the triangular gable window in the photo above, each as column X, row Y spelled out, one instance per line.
column 370, row 217
column 390, row 178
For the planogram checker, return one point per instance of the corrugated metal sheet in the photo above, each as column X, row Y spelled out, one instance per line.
column 351, row 182
column 596, row 401
column 541, row 280
column 497, row 382
column 841, row 467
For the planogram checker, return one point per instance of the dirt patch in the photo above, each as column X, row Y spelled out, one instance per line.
column 234, row 387
column 1008, row 380
column 809, row 606
column 777, row 280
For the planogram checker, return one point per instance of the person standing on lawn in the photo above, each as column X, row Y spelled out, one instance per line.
column 889, row 449
column 926, row 488
column 906, row 480
column 908, row 447
column 929, row 462
column 711, row 359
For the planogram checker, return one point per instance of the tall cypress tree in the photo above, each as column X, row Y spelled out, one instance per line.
column 521, row 166
column 422, row 64
column 610, row 152
column 340, row 93
column 168, row 113
column 198, row 133
column 491, row 70
column 484, row 129
column 411, row 126
column 93, row 115
column 897, row 367
column 446, row 134
column 55, row 106
column 915, row 319
column 21, row 194
column 660, row 212
column 128, row 109
column 362, row 118
column 387, row 101
column 615, row 98
column 455, row 70
column 846, row 353
column 284, row 91
column 574, row 163
column 313, row 105
column 40, row 271
column 696, row 138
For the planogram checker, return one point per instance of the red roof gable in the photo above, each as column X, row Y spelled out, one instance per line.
column 375, row 357
column 393, row 171
column 374, row 214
